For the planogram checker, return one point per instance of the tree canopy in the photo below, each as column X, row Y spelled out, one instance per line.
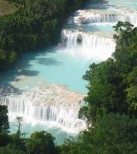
column 112, row 83
column 41, row 143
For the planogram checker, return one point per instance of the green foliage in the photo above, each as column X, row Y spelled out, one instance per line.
column 4, row 139
column 38, row 143
column 113, row 134
column 41, row 143
column 11, row 149
column 4, row 124
column 12, row 57
column 3, row 55
column 18, row 142
column 70, row 148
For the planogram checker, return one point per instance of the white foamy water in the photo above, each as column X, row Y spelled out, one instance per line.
column 53, row 105
column 108, row 17
column 87, row 45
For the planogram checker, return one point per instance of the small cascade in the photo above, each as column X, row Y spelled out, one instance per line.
column 96, row 17
column 53, row 104
column 87, row 45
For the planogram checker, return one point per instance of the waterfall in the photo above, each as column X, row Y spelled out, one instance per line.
column 91, row 16
column 43, row 105
column 95, row 18
column 87, row 45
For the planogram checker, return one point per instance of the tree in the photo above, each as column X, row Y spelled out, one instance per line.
column 113, row 134
column 70, row 147
column 4, row 123
column 41, row 143
column 12, row 57
column 120, row 26
column 19, row 121
column 11, row 149
column 4, row 139
column 3, row 55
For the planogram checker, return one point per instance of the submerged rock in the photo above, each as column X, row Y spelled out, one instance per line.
column 79, row 38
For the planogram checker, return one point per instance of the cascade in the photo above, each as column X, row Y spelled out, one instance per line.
column 87, row 45
column 91, row 16
column 53, row 104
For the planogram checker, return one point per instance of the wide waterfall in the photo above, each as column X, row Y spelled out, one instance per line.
column 46, row 104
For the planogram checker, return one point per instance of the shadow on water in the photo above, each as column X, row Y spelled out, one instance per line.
column 29, row 73
column 23, row 66
column 6, row 90
column 48, row 61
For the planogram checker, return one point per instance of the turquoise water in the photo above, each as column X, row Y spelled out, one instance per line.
column 91, row 27
column 59, row 134
column 59, row 65
column 110, row 4
column 53, row 66
column 131, row 4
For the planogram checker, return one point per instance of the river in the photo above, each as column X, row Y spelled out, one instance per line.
column 46, row 87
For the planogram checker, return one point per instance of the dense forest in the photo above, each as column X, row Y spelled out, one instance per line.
column 33, row 26
column 111, row 113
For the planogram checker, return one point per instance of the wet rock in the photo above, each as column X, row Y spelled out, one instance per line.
column 79, row 38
